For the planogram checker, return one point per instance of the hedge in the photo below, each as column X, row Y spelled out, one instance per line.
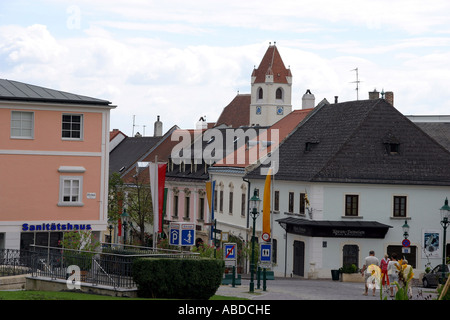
column 177, row 278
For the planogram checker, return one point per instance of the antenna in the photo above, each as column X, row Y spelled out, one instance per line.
column 134, row 125
column 357, row 83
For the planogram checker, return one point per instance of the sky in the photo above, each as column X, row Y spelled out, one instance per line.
column 183, row 60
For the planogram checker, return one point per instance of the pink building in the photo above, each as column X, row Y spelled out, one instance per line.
column 54, row 154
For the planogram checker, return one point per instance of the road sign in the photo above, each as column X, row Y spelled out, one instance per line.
column 174, row 234
column 265, row 236
column 187, row 234
column 406, row 243
column 181, row 234
column 265, row 253
column 229, row 251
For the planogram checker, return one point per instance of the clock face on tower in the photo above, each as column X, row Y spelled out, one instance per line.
column 258, row 110
column 280, row 110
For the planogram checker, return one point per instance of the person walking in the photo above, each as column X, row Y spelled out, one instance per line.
column 368, row 261
column 383, row 266
column 392, row 270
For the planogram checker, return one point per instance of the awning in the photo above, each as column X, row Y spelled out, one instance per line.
column 334, row 229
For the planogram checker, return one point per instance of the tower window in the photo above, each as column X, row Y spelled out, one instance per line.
column 279, row 94
column 260, row 93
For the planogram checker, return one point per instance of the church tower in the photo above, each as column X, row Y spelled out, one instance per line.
column 271, row 90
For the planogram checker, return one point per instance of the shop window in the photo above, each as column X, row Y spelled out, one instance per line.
column 350, row 255
column 410, row 256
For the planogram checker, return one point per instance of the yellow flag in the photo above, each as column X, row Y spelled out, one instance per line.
column 266, row 204
column 209, row 194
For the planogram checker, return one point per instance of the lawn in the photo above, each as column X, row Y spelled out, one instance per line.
column 64, row 295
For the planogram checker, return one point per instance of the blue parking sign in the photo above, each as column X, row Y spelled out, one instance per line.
column 174, row 234
column 266, row 252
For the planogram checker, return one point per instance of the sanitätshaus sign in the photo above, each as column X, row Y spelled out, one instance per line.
column 52, row 226
column 334, row 229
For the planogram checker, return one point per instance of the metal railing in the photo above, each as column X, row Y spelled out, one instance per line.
column 111, row 265
column 14, row 262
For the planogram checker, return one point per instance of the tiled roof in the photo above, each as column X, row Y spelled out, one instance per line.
column 14, row 90
column 237, row 113
column 160, row 151
column 440, row 131
column 349, row 141
column 272, row 64
column 285, row 126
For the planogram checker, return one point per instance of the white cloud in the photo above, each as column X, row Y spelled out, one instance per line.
column 126, row 53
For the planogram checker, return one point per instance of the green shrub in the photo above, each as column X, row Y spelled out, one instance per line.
column 177, row 278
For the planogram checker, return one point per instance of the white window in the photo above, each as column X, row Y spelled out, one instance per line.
column 72, row 126
column 22, row 124
column 70, row 191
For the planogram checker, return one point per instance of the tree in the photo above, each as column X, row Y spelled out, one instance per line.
column 139, row 204
column 115, row 197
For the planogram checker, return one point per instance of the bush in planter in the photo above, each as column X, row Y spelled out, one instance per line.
column 177, row 278
column 349, row 268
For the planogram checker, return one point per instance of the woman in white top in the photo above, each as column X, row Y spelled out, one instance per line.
column 393, row 272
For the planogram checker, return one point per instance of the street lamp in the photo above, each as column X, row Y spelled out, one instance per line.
column 405, row 228
column 125, row 217
column 445, row 214
column 254, row 206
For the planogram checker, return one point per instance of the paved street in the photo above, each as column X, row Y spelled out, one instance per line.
column 300, row 289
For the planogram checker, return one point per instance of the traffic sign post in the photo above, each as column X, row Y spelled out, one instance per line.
column 406, row 246
column 265, row 258
column 181, row 234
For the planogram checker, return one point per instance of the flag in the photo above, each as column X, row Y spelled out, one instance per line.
column 210, row 186
column 266, row 204
column 157, row 181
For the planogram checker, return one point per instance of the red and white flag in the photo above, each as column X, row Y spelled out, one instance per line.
column 157, row 181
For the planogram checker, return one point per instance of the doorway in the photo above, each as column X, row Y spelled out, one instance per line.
column 299, row 258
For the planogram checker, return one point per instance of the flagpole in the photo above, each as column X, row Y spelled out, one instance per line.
column 156, row 224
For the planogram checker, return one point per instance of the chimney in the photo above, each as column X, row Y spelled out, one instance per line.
column 335, row 99
column 374, row 95
column 308, row 100
column 389, row 96
column 201, row 123
column 157, row 132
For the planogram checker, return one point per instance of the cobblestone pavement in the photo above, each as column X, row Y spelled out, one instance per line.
column 301, row 289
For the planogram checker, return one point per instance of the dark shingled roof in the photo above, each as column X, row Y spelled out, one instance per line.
column 129, row 151
column 349, row 142
column 14, row 90
column 440, row 131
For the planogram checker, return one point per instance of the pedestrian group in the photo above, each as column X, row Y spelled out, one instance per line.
column 387, row 271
